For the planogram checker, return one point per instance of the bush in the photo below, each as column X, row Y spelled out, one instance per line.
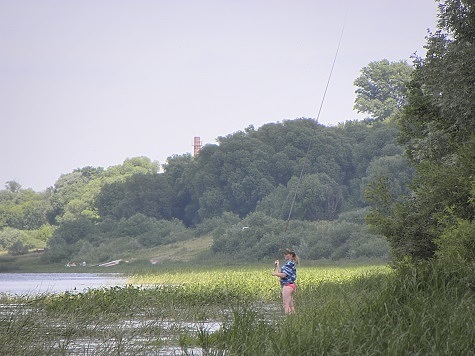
column 209, row 225
column 18, row 249
column 457, row 244
column 9, row 235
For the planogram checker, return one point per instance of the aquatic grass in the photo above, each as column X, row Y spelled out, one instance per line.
column 51, row 333
column 376, row 313
column 341, row 310
column 250, row 281
column 388, row 313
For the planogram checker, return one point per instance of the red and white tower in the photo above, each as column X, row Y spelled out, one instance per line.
column 196, row 145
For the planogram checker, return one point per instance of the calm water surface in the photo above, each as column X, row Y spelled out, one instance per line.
column 37, row 283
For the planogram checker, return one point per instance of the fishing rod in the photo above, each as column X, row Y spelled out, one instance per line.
column 296, row 190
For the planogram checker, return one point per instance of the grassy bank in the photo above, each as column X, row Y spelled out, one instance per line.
column 343, row 310
column 177, row 252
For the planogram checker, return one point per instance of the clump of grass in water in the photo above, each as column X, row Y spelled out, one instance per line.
column 339, row 311
column 425, row 311
column 37, row 327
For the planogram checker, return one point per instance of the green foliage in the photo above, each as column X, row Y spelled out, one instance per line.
column 315, row 197
column 164, row 232
column 42, row 234
column 216, row 223
column 407, row 225
column 13, row 186
column 67, row 239
column 319, row 197
column 259, row 237
column 382, row 88
column 240, row 181
column 343, row 240
column 277, row 203
column 372, row 143
column 9, row 235
column 23, row 209
column 148, row 194
column 74, row 194
column 250, row 172
column 341, row 310
column 99, row 241
column 246, row 237
column 437, row 129
column 393, row 168
column 457, row 244
column 69, row 193
column 30, row 238
column 17, row 249
column 257, row 169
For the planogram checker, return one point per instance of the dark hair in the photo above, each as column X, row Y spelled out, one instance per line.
column 289, row 251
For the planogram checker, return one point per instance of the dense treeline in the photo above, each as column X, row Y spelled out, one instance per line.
column 408, row 170
column 247, row 179
column 438, row 131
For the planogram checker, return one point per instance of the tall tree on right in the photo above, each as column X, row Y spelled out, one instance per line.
column 381, row 89
column 438, row 131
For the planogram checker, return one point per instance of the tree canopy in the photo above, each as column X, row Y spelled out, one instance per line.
column 411, row 165
column 382, row 88
column 438, row 132
column 249, row 172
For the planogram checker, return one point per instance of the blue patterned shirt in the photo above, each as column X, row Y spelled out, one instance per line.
column 290, row 271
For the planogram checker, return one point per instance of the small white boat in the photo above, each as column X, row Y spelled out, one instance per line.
column 111, row 263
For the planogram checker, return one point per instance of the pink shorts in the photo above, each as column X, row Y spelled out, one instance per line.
column 291, row 285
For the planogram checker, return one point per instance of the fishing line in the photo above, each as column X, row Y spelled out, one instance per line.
column 296, row 190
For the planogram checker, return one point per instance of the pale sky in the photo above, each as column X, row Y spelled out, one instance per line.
column 93, row 82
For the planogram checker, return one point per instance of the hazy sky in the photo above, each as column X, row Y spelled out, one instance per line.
column 93, row 82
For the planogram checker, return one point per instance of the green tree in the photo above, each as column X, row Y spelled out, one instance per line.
column 395, row 169
column 239, row 169
column 9, row 235
column 177, row 169
column 74, row 194
column 367, row 143
column 437, row 129
column 18, row 249
column 147, row 194
column 70, row 197
column 211, row 204
column 68, row 238
column 275, row 203
column 13, row 186
column 24, row 208
column 381, row 89
column 319, row 197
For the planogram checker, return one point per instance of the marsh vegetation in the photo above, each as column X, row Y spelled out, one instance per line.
column 398, row 185
column 236, row 310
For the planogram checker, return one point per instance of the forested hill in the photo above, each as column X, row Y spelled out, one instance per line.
column 240, row 190
column 247, row 178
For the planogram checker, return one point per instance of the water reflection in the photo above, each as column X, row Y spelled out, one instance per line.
column 38, row 283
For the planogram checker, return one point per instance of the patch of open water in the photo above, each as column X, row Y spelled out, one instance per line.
column 139, row 333
column 22, row 284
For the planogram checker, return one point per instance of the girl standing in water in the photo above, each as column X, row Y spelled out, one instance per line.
column 287, row 275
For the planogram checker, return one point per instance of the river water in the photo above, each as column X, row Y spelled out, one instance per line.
column 22, row 284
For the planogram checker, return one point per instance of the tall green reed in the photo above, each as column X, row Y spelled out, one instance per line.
column 428, row 310
column 340, row 311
